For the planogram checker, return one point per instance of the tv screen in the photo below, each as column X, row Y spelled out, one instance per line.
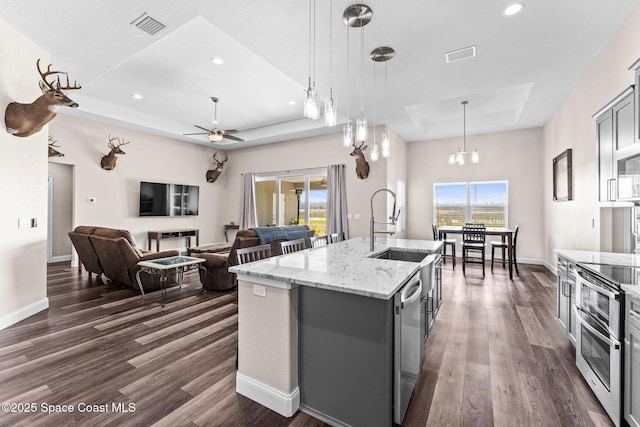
column 158, row 199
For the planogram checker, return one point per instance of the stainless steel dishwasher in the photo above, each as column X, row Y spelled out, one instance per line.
column 407, row 344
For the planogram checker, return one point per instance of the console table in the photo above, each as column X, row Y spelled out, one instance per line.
column 228, row 227
column 171, row 234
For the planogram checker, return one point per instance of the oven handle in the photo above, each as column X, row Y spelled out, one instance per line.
column 599, row 289
column 612, row 343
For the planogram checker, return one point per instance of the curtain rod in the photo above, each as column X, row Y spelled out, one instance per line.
column 291, row 171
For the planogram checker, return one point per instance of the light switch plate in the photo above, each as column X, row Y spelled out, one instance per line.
column 24, row 222
column 260, row 290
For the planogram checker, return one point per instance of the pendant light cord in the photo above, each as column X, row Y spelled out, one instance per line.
column 464, row 126
column 374, row 103
column 362, row 69
column 386, row 97
column 348, row 74
column 314, row 44
column 310, row 18
column 330, row 53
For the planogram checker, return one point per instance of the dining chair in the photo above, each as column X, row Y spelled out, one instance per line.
column 445, row 243
column 290, row 246
column 253, row 253
column 319, row 241
column 336, row 237
column 504, row 246
column 473, row 241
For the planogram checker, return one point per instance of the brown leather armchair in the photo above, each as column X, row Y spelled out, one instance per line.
column 214, row 273
column 86, row 254
column 118, row 256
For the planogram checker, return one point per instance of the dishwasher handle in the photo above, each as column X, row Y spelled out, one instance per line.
column 411, row 292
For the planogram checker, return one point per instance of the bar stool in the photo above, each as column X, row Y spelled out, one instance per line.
column 445, row 243
column 504, row 245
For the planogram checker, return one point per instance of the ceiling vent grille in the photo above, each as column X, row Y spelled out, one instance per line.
column 460, row 54
column 148, row 24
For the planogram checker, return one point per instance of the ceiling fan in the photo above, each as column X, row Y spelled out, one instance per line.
column 215, row 134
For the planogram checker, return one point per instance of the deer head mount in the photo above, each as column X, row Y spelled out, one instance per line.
column 27, row 119
column 362, row 166
column 108, row 162
column 52, row 151
column 213, row 174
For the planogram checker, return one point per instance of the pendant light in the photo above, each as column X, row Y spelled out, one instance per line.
column 311, row 109
column 359, row 15
column 458, row 157
column 384, row 54
column 347, row 129
column 330, row 103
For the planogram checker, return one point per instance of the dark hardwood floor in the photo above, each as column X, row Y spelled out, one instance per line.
column 495, row 357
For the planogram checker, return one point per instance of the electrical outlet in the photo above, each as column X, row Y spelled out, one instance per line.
column 356, row 216
column 349, row 216
column 91, row 200
column 260, row 290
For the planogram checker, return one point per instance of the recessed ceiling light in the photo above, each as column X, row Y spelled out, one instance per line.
column 292, row 102
column 217, row 61
column 136, row 96
column 513, row 8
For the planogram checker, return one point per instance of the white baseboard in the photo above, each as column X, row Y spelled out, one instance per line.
column 23, row 313
column 61, row 258
column 284, row 404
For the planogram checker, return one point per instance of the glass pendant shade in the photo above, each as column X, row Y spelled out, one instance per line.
column 374, row 153
column 311, row 110
column 386, row 145
column 475, row 156
column 460, row 157
column 452, row 158
column 347, row 135
column 330, row 111
column 361, row 129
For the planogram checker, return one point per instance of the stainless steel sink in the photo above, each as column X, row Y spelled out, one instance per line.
column 396, row 254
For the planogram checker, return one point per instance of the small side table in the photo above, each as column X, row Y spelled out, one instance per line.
column 228, row 227
column 163, row 266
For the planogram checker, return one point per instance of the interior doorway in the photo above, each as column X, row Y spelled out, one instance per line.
column 59, row 212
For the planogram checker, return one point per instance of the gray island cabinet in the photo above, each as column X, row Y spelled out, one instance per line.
column 316, row 330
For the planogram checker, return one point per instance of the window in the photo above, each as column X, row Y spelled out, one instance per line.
column 456, row 203
column 293, row 198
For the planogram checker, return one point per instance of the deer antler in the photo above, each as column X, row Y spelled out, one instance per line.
column 220, row 163
column 52, row 142
column 359, row 146
column 114, row 138
column 56, row 86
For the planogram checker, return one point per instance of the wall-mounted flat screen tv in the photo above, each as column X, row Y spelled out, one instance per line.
column 158, row 199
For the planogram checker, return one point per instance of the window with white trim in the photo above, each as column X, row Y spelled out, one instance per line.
column 456, row 203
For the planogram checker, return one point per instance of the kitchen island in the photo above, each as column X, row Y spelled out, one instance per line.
column 315, row 329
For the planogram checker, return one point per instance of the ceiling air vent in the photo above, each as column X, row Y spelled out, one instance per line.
column 460, row 54
column 148, row 24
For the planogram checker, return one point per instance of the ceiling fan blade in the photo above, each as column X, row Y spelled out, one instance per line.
column 199, row 133
column 228, row 131
column 208, row 130
column 234, row 138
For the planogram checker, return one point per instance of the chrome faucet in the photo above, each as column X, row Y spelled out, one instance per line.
column 394, row 217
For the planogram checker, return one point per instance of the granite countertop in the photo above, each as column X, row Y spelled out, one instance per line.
column 343, row 266
column 611, row 258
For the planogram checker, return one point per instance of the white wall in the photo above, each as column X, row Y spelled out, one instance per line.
column 577, row 224
column 515, row 156
column 315, row 152
column 148, row 158
column 23, row 168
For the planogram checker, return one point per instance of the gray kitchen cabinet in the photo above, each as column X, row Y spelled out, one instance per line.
column 632, row 362
column 616, row 139
column 566, row 297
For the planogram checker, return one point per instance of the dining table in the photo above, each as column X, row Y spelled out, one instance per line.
column 506, row 234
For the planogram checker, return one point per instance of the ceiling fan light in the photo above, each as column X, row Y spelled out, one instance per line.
column 361, row 129
column 215, row 137
column 475, row 156
column 347, row 134
column 330, row 111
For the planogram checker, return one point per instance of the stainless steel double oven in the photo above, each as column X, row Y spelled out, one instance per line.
column 599, row 331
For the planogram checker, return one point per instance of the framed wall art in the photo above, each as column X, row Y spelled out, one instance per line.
column 562, row 173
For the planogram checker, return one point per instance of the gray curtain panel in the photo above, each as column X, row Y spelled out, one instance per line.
column 248, row 213
column 336, row 201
